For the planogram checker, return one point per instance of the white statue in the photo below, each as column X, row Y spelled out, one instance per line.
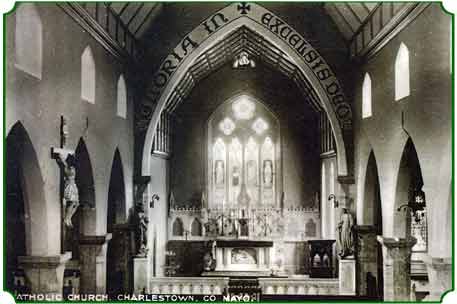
column 70, row 200
column 345, row 234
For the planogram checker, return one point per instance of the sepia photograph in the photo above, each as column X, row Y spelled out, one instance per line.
column 228, row 151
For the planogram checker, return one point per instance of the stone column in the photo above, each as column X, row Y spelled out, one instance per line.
column 397, row 266
column 44, row 275
column 439, row 276
column 92, row 251
column 367, row 258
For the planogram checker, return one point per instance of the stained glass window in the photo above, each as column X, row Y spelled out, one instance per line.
column 243, row 109
column 236, row 166
column 251, row 156
column 242, row 154
column 259, row 125
column 227, row 126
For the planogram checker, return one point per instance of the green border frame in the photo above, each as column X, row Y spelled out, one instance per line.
column 452, row 15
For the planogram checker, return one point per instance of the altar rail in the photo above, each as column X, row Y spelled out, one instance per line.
column 288, row 224
column 299, row 286
column 188, row 285
column 269, row 286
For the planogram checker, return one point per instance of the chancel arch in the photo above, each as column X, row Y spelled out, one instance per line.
column 26, row 210
column 231, row 20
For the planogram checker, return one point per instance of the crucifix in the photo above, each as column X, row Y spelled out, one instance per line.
column 67, row 162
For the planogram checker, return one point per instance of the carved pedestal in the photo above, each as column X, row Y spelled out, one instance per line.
column 367, row 261
column 44, row 275
column 397, row 263
column 140, row 275
column 93, row 263
column 439, row 276
column 347, row 276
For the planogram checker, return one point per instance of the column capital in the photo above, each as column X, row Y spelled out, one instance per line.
column 392, row 242
column 95, row 239
column 365, row 229
column 47, row 262
column 44, row 274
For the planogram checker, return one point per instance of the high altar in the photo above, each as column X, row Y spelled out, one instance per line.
column 245, row 242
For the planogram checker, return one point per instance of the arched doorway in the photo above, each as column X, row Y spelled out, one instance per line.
column 116, row 268
column 25, row 205
column 373, row 216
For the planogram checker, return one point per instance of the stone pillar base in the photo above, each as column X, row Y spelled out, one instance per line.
column 140, row 275
column 439, row 276
column 347, row 276
column 44, row 275
column 92, row 254
column 397, row 266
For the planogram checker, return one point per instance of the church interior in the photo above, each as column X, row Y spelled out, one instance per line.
column 282, row 150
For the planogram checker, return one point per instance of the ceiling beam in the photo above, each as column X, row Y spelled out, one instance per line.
column 145, row 18
column 123, row 9
column 344, row 19
column 135, row 14
column 353, row 13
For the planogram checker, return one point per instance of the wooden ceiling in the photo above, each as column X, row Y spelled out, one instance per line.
column 137, row 16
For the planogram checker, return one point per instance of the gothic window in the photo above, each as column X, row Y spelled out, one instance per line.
column 366, row 97
column 243, row 155
column 121, row 97
column 219, row 154
column 178, row 227
column 236, row 164
column 268, row 181
column 402, row 84
column 29, row 40
column 88, row 75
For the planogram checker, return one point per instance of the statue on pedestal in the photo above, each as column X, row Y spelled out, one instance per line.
column 142, row 230
column 345, row 236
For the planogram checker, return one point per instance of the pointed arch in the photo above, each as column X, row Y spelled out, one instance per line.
column 178, row 227
column 115, row 268
column 26, row 211
column 116, row 193
column 121, row 97
column 86, row 188
column 402, row 73
column 372, row 207
column 88, row 75
column 409, row 179
column 164, row 86
column 196, row 228
column 366, row 97
column 29, row 40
